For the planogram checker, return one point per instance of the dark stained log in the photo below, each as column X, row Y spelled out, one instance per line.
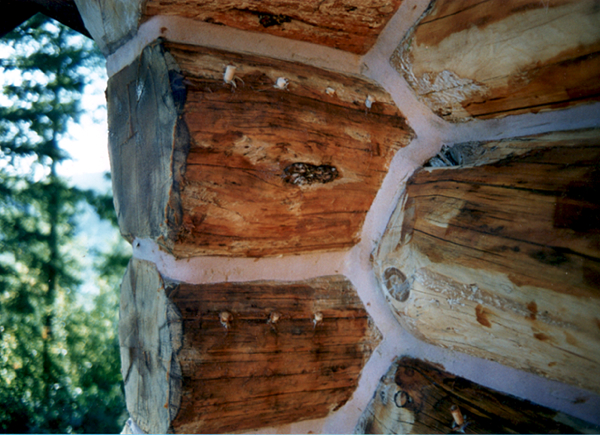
column 16, row 12
column 488, row 59
column 283, row 157
column 502, row 260
column 419, row 397
column 351, row 25
column 238, row 356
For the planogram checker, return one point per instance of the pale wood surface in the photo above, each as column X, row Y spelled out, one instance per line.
column 502, row 260
column 486, row 59
column 418, row 397
column 351, row 25
column 237, row 199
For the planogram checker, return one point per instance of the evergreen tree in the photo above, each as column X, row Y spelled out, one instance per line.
column 59, row 366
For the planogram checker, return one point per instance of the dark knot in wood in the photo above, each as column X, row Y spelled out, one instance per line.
column 268, row 20
column 401, row 398
column 302, row 174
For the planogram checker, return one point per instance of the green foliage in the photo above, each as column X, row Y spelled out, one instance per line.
column 59, row 359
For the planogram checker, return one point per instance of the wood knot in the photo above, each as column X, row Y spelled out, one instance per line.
column 401, row 398
column 397, row 284
column 301, row 174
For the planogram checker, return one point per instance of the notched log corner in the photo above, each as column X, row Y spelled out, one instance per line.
column 226, row 357
column 149, row 143
column 416, row 396
column 286, row 161
column 507, row 246
column 458, row 62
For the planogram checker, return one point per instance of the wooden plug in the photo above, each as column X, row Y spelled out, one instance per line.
column 318, row 318
column 226, row 318
column 460, row 422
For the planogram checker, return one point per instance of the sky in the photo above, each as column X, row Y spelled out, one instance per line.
column 88, row 144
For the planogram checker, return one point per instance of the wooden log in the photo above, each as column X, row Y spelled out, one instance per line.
column 239, row 356
column 418, row 397
column 110, row 22
column 351, row 25
column 488, row 59
column 148, row 144
column 502, row 260
column 283, row 157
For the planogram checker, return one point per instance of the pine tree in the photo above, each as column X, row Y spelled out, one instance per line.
column 48, row 382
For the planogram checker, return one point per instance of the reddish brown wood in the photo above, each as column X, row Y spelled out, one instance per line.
column 351, row 25
column 258, row 372
column 238, row 356
column 237, row 197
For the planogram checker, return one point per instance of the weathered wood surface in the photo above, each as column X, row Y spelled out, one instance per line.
column 240, row 196
column 148, row 144
column 485, row 59
column 418, row 397
column 110, row 22
column 278, row 158
column 239, row 356
column 150, row 336
column 502, row 260
column 17, row 11
column 351, row 25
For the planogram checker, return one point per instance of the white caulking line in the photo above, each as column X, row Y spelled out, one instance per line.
column 395, row 30
column 188, row 31
column 204, row 270
column 574, row 118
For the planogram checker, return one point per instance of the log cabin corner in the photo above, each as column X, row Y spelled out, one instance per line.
column 369, row 216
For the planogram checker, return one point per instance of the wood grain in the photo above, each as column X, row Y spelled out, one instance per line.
column 148, row 144
column 256, row 372
column 418, row 397
column 351, row 25
column 287, row 351
column 502, row 260
column 235, row 200
column 488, row 59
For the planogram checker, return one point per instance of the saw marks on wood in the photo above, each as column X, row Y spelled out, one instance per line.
column 351, row 25
column 502, row 260
column 487, row 59
column 238, row 356
column 419, row 397
column 284, row 157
